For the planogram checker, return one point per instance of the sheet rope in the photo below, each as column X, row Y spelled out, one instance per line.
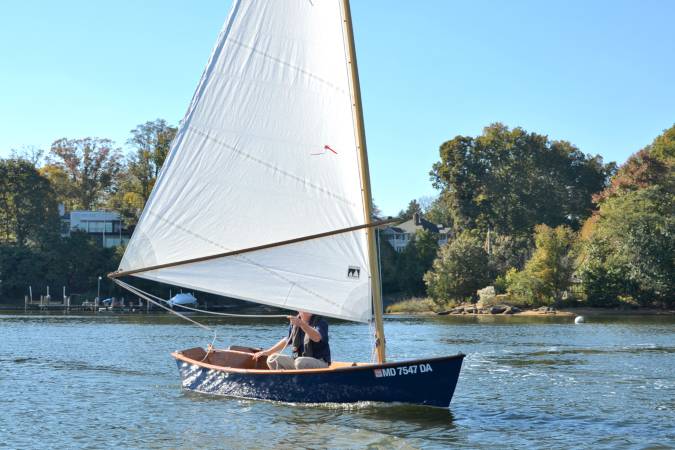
column 138, row 291
column 149, row 297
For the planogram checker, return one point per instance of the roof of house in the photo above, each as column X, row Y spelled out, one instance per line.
column 392, row 230
column 415, row 224
column 418, row 223
column 94, row 215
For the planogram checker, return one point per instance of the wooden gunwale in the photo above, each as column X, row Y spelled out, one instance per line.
column 364, row 366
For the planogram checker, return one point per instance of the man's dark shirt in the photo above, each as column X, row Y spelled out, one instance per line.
column 321, row 349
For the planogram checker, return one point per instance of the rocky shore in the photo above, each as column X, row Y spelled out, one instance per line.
column 490, row 303
column 469, row 308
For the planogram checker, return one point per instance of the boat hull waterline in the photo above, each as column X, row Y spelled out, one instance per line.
column 423, row 382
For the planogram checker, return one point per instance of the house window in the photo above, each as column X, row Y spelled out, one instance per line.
column 99, row 226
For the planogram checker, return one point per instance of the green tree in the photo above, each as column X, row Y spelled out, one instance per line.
column 510, row 252
column 388, row 265
column 663, row 146
column 90, row 166
column 604, row 277
column 511, row 180
column 126, row 200
column 439, row 211
column 629, row 244
column 77, row 261
column 63, row 186
column 151, row 142
column 412, row 208
column 28, row 208
column 414, row 261
column 548, row 273
column 20, row 267
column 460, row 269
column 29, row 153
column 633, row 241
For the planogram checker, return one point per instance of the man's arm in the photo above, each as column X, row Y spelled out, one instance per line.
column 273, row 349
column 310, row 331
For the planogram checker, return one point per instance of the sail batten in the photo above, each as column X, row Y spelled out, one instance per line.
column 266, row 153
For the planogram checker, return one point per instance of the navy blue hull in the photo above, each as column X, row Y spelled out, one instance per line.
column 425, row 382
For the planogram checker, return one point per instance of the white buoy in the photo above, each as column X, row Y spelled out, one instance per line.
column 579, row 319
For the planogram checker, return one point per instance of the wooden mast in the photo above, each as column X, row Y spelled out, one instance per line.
column 365, row 181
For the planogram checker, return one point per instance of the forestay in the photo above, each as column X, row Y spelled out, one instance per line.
column 266, row 153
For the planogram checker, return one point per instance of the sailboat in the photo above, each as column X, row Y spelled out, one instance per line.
column 265, row 197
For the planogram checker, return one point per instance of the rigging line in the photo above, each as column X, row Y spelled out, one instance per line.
column 141, row 294
column 121, row 273
column 371, row 333
column 379, row 270
column 213, row 313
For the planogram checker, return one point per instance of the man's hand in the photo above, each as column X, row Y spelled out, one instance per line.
column 259, row 354
column 295, row 321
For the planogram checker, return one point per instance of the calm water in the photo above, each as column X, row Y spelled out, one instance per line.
column 108, row 381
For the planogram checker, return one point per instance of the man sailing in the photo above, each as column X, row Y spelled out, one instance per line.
column 308, row 336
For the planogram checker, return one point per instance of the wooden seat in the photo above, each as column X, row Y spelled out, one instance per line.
column 236, row 359
column 244, row 359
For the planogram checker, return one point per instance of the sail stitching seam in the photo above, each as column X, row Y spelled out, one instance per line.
column 287, row 64
column 188, row 231
column 271, row 166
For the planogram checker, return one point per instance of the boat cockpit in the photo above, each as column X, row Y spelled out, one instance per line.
column 238, row 357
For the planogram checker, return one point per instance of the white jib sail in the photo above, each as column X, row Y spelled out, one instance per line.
column 266, row 153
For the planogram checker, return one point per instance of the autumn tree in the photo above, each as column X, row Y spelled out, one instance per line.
column 628, row 245
column 83, row 171
column 546, row 276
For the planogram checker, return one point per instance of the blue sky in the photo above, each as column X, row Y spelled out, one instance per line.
column 600, row 74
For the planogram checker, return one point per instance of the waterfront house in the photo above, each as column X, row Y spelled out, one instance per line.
column 105, row 226
column 399, row 236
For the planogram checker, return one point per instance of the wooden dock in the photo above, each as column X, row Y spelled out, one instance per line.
column 66, row 304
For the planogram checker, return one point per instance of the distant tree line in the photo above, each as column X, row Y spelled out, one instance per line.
column 538, row 219
column 82, row 174
column 545, row 223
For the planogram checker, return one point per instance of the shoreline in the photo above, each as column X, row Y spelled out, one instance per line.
column 563, row 312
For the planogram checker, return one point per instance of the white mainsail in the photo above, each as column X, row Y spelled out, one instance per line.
column 266, row 153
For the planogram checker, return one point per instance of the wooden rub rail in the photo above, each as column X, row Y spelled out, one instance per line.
column 121, row 273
